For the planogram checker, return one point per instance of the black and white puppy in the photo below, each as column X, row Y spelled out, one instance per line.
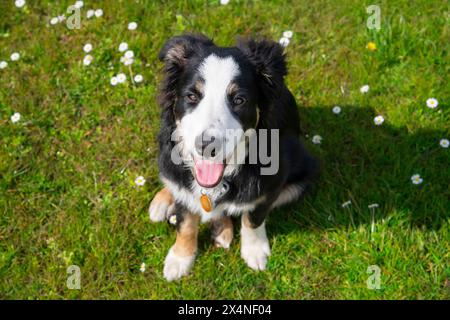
column 220, row 98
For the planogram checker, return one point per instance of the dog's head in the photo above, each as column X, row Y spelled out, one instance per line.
column 216, row 94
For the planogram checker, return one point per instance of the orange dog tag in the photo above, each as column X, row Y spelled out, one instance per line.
column 206, row 203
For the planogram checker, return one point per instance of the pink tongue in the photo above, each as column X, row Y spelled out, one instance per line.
column 208, row 173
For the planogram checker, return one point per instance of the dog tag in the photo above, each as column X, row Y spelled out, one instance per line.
column 206, row 203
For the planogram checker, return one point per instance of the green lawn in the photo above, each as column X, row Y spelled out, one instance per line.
column 67, row 168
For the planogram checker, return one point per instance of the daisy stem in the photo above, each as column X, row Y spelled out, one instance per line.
column 131, row 75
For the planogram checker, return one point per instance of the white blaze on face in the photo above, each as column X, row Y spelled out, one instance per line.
column 212, row 115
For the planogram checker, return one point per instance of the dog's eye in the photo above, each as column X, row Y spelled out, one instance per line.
column 237, row 101
column 192, row 98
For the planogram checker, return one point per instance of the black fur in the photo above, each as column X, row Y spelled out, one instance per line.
column 264, row 68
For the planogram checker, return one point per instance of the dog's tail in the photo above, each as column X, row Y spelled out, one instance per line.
column 289, row 193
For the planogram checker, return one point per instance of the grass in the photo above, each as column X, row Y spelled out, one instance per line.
column 67, row 168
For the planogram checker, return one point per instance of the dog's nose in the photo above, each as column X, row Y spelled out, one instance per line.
column 207, row 146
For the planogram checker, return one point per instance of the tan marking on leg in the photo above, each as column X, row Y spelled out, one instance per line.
column 222, row 231
column 246, row 220
column 186, row 243
column 163, row 195
column 161, row 205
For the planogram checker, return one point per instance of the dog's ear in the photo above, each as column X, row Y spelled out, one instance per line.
column 177, row 50
column 269, row 61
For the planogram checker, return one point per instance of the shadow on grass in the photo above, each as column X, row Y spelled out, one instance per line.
column 366, row 164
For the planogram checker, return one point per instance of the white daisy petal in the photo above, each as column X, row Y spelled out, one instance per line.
column 79, row 4
column 138, row 78
column 15, row 117
column 416, row 179
column 444, row 143
column 224, row 2
column 142, row 267
column 98, row 13
column 288, row 34
column 173, row 219
column 140, row 181
column 54, row 21
column 114, row 81
column 121, row 77
column 432, row 103
column 15, row 56
column 364, row 89
column 87, row 47
column 378, row 120
column 87, row 60
column 132, row 26
column 336, row 109
column 317, row 139
column 19, row 3
column 123, row 47
column 3, row 64
column 129, row 54
column 90, row 13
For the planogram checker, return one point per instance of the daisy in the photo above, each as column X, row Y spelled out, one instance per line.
column 129, row 54
column 444, row 143
column 15, row 117
column 79, row 4
column 373, row 205
column 87, row 60
column 3, row 64
column 121, row 78
column 173, row 219
column 288, row 34
column 142, row 267
column 54, row 21
column 132, row 26
column 123, row 47
column 224, row 2
column 15, row 56
column 19, row 3
column 364, row 89
column 336, row 109
column 140, row 181
column 378, row 120
column 138, row 78
column 114, row 81
column 127, row 61
column 87, row 47
column 90, row 13
column 432, row 103
column 284, row 41
column 416, row 179
column 98, row 13
column 346, row 204
column 372, row 46
column 317, row 139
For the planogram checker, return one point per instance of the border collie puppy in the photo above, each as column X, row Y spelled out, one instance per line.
column 215, row 101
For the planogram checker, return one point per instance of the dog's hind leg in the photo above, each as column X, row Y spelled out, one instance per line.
column 288, row 194
column 161, row 206
column 222, row 231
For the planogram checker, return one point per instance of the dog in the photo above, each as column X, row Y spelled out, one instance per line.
column 207, row 92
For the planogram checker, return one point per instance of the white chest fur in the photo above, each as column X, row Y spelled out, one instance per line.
column 191, row 199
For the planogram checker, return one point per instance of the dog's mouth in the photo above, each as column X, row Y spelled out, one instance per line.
column 208, row 173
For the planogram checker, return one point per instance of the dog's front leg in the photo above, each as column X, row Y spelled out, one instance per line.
column 161, row 206
column 255, row 248
column 181, row 256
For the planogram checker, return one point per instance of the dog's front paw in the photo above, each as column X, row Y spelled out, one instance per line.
column 176, row 267
column 161, row 206
column 256, row 254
